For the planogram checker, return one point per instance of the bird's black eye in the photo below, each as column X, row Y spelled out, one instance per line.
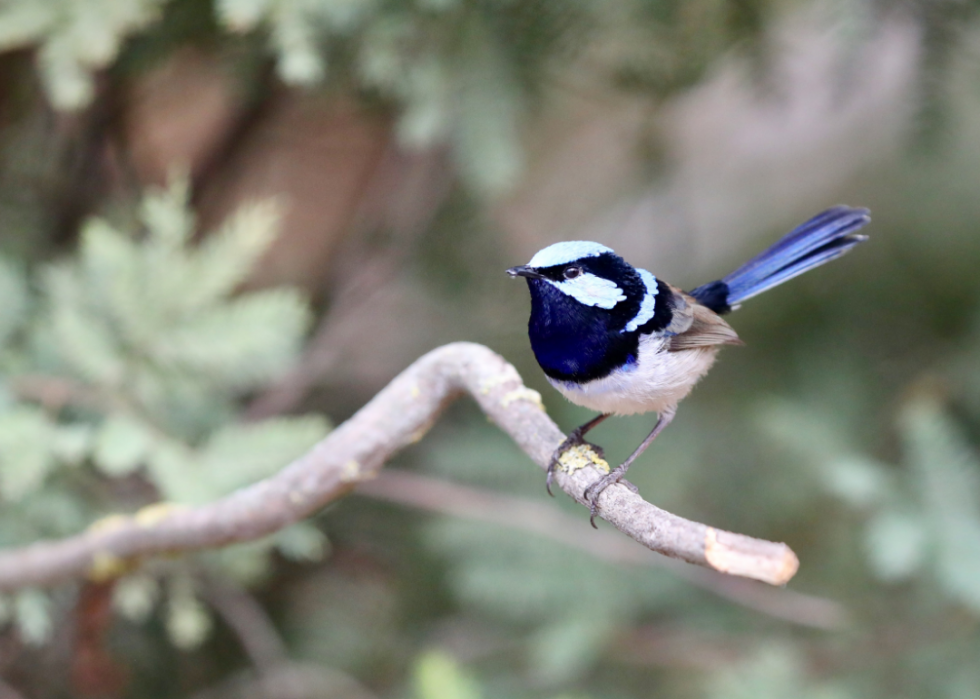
column 572, row 272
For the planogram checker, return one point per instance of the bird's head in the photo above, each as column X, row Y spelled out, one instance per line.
column 587, row 303
column 584, row 279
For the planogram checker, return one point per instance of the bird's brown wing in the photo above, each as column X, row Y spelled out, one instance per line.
column 695, row 325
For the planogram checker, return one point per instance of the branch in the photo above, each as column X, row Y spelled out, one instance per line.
column 353, row 453
column 274, row 673
column 247, row 619
column 455, row 500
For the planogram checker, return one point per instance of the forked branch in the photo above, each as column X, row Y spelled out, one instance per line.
column 399, row 415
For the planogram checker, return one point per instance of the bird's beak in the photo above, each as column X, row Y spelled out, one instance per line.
column 525, row 271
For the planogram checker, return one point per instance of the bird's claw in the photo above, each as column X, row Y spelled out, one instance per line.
column 592, row 493
column 574, row 439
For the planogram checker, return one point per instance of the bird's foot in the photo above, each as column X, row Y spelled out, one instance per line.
column 575, row 438
column 593, row 492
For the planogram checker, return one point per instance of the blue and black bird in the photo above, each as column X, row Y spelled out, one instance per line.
column 618, row 340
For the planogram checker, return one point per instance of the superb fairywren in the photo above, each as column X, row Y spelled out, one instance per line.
column 618, row 340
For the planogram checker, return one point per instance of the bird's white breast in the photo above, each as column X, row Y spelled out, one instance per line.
column 657, row 380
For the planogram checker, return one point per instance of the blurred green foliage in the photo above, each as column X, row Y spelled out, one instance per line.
column 923, row 519
column 849, row 427
column 437, row 676
column 127, row 363
column 463, row 73
column 73, row 39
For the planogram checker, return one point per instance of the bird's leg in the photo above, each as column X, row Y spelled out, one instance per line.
column 575, row 438
column 593, row 492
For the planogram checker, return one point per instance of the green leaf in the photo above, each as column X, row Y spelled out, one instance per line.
column 427, row 118
column 116, row 283
column 947, row 474
column 241, row 344
column 156, row 319
column 76, row 38
column 568, row 649
column 484, row 563
column 25, row 451
column 135, row 596
column 805, row 431
column 295, row 29
column 381, row 60
column 226, row 257
column 234, row 456
column 247, row 563
column 295, row 36
column 175, row 470
column 85, row 343
column 489, row 103
column 33, row 616
column 959, row 562
column 438, row 676
column 944, row 464
column 242, row 15
column 240, row 454
column 66, row 81
column 188, row 621
column 71, row 444
column 772, row 672
column 167, row 216
column 858, row 480
column 301, row 542
column 108, row 259
column 896, row 544
column 53, row 511
column 341, row 15
column 121, row 445
column 23, row 23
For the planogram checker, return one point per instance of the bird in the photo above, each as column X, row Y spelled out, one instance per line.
column 617, row 340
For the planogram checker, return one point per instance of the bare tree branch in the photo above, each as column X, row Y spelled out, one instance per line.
column 248, row 620
column 353, row 453
column 274, row 673
column 437, row 495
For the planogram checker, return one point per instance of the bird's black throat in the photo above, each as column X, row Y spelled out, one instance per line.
column 575, row 342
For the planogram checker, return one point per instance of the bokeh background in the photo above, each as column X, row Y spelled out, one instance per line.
column 225, row 225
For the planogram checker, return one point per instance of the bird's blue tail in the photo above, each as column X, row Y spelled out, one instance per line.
column 824, row 237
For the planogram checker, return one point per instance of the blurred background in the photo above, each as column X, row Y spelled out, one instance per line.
column 225, row 225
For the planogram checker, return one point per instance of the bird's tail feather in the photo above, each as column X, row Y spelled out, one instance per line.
column 824, row 237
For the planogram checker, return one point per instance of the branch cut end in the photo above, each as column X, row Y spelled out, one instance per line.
column 735, row 554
